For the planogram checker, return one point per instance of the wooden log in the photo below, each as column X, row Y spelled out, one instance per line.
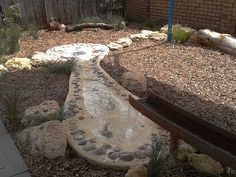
column 89, row 25
column 224, row 42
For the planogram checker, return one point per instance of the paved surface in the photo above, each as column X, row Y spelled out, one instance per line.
column 11, row 162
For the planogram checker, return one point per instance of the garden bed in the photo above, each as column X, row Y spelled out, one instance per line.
column 37, row 85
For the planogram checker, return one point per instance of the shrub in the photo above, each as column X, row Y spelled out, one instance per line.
column 10, row 31
column 9, row 100
column 159, row 159
column 111, row 7
column 60, row 67
column 180, row 35
column 33, row 31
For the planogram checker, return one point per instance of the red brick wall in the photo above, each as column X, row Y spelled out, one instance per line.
column 218, row 15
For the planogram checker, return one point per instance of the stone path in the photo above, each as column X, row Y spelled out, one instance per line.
column 101, row 124
column 11, row 162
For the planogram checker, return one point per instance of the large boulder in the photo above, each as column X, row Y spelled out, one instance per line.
column 139, row 36
column 46, row 111
column 137, row 170
column 125, row 42
column 157, row 36
column 205, row 164
column 18, row 63
column 46, row 140
column 2, row 70
column 164, row 29
column 184, row 150
column 114, row 46
column 224, row 42
column 134, row 82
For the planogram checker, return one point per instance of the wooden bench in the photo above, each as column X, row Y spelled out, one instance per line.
column 201, row 134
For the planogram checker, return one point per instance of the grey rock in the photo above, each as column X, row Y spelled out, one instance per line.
column 126, row 156
column 89, row 147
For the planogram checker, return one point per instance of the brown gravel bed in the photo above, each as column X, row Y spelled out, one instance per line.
column 33, row 87
column 47, row 40
column 199, row 79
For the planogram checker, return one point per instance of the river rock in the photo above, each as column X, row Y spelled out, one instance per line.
column 137, row 170
column 134, row 82
column 46, row 140
column 18, row 63
column 46, row 111
column 126, row 156
column 205, row 164
column 125, row 42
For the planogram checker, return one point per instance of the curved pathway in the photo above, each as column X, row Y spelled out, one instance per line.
column 102, row 126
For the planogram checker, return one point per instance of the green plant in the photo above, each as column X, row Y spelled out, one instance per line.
column 60, row 67
column 180, row 35
column 111, row 7
column 10, row 31
column 159, row 160
column 10, row 102
column 33, row 31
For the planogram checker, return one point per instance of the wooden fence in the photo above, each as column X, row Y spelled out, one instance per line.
column 64, row 11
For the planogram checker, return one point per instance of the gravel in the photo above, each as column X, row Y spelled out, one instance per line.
column 199, row 79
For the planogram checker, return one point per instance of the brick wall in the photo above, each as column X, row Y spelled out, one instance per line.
column 218, row 15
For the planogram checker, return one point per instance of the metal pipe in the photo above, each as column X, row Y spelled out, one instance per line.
column 170, row 19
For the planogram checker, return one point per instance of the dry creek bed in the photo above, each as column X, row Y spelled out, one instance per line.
column 199, row 79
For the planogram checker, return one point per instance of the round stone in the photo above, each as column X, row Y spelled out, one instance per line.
column 81, row 118
column 112, row 155
column 142, row 147
column 82, row 142
column 89, row 147
column 99, row 151
column 140, row 155
column 118, row 92
column 116, row 149
column 79, row 137
column 106, row 133
column 92, row 140
column 106, row 146
column 126, row 156
column 123, row 94
column 80, row 108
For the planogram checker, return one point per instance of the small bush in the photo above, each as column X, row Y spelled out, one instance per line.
column 33, row 31
column 10, row 31
column 60, row 67
column 10, row 102
column 159, row 160
column 180, row 35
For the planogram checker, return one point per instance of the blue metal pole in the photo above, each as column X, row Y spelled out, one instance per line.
column 170, row 19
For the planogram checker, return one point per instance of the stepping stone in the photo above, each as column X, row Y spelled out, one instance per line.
column 11, row 162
